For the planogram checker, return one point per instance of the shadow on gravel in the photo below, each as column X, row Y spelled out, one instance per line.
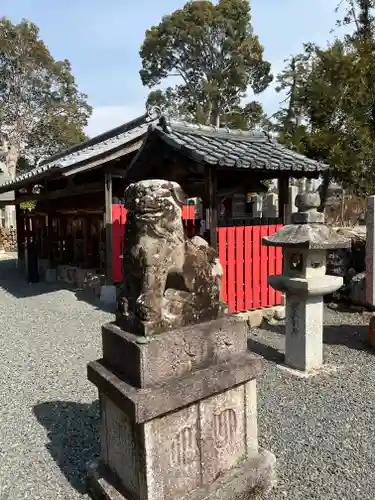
column 266, row 351
column 73, row 433
column 351, row 336
column 14, row 282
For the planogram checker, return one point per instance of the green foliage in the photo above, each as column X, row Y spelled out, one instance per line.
column 41, row 109
column 216, row 55
column 28, row 205
column 331, row 101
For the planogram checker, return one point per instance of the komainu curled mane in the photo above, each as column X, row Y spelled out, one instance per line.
column 169, row 280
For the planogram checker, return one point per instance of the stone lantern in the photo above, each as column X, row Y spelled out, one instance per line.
column 304, row 281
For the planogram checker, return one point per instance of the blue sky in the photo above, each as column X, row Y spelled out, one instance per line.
column 101, row 38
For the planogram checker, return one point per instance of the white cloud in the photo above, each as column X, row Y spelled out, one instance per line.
column 104, row 118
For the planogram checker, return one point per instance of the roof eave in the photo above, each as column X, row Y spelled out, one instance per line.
column 13, row 186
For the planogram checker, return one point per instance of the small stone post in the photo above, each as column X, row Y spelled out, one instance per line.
column 370, row 251
column 256, row 200
column 271, row 205
column 293, row 192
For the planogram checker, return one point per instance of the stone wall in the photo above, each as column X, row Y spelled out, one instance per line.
column 8, row 239
column 341, row 262
column 350, row 264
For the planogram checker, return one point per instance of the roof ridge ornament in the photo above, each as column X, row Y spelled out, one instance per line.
column 153, row 112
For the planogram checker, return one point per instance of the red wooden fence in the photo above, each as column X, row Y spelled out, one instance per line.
column 118, row 232
column 246, row 262
column 246, row 266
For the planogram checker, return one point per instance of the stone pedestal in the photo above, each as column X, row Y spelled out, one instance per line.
column 179, row 415
column 370, row 252
column 304, row 333
column 304, row 281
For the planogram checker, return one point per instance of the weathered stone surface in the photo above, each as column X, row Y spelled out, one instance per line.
column 254, row 318
column 184, row 452
column 253, row 479
column 304, row 281
column 356, row 290
column 280, row 313
column 307, row 229
column 370, row 252
column 173, row 353
column 177, row 386
column 340, row 261
column 8, row 239
column 308, row 236
column 169, row 280
column 145, row 404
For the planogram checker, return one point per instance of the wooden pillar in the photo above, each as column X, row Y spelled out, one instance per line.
column 87, row 241
column 211, row 203
column 283, row 190
column 108, row 228
column 20, row 227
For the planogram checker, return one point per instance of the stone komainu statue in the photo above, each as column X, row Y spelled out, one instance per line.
column 169, row 280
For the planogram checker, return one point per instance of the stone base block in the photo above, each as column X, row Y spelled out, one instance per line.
column 173, row 353
column 251, row 480
column 50, row 275
column 323, row 370
column 179, row 415
column 108, row 295
column 172, row 439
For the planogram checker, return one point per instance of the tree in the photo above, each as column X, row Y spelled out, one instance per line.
column 41, row 109
column 215, row 54
column 334, row 99
column 176, row 104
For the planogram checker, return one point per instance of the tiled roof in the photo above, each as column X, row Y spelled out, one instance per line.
column 222, row 147
column 234, row 148
column 87, row 150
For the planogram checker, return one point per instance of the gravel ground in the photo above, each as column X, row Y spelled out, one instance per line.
column 48, row 409
column 322, row 430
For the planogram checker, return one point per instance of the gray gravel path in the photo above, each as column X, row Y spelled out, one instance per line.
column 48, row 414
column 322, row 430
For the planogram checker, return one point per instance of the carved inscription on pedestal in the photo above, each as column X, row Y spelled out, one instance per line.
column 184, row 448
column 222, row 419
column 225, row 427
column 121, row 446
column 172, row 450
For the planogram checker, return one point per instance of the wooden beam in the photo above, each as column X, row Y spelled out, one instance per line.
column 93, row 187
column 118, row 173
column 104, row 159
column 108, row 228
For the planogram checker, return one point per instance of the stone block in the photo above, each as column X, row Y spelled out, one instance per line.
column 154, row 401
column 279, row 313
column 255, row 318
column 173, row 353
column 370, row 252
column 179, row 415
column 108, row 295
column 50, row 275
column 304, row 333
column 182, row 452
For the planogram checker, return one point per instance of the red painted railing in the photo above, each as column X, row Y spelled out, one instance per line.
column 246, row 262
column 246, row 266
